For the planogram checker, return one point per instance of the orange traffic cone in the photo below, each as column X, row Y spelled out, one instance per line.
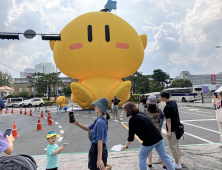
column 42, row 113
column 48, row 116
column 50, row 120
column 25, row 113
column 14, row 131
column 21, row 111
column 6, row 111
column 12, row 111
column 39, row 125
column 30, row 112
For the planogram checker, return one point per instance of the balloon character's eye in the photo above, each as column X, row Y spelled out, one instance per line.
column 107, row 33
column 90, row 33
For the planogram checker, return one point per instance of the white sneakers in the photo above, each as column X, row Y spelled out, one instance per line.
column 177, row 166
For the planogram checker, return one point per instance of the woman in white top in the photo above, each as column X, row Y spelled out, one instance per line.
column 215, row 99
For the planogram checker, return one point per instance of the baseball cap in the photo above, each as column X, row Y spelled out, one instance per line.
column 52, row 133
column 151, row 99
column 2, row 104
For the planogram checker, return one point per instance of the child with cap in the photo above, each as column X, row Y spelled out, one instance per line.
column 52, row 151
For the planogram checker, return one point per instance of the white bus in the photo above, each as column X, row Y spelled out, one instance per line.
column 185, row 94
column 157, row 94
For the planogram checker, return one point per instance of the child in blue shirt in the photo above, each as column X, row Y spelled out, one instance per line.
column 52, row 151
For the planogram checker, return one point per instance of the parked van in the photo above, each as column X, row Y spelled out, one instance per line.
column 11, row 102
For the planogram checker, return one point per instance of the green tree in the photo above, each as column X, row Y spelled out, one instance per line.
column 181, row 83
column 67, row 91
column 6, row 79
column 155, row 87
column 162, row 77
column 140, row 82
column 45, row 82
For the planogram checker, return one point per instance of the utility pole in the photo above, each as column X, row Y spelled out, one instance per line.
column 57, row 84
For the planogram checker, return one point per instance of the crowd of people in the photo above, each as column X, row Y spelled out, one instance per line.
column 146, row 124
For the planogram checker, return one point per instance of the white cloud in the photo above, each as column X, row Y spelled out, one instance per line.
column 182, row 35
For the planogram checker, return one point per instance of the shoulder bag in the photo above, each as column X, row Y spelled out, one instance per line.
column 219, row 114
column 180, row 131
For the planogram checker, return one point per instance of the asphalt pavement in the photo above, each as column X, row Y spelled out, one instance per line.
column 200, row 128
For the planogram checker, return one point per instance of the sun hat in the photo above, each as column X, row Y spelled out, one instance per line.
column 102, row 104
column 151, row 99
column 2, row 104
column 52, row 133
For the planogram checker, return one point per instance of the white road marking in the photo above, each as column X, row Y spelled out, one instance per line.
column 198, row 137
column 94, row 117
column 45, row 149
column 85, row 116
column 164, row 131
column 201, row 128
column 53, row 120
column 121, row 118
column 197, row 114
column 197, row 120
column 60, row 139
column 124, row 122
column 61, row 131
column 121, row 115
column 193, row 109
column 60, row 126
column 56, row 123
column 46, row 117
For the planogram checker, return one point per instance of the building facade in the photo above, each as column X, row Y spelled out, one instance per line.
column 5, row 91
column 28, row 72
column 212, row 81
column 22, row 84
column 45, row 68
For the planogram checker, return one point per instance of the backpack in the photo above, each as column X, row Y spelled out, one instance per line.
column 18, row 162
column 91, row 131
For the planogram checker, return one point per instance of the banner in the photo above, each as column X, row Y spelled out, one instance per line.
column 217, row 87
column 205, row 89
column 213, row 79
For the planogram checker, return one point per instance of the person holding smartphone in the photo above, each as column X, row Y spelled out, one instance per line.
column 98, row 153
column 6, row 144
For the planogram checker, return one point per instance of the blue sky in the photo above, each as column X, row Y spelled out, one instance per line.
column 182, row 35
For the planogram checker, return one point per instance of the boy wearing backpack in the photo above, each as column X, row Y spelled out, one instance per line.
column 52, row 151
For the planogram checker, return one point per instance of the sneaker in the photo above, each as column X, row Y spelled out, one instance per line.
column 164, row 167
column 180, row 162
column 150, row 166
column 177, row 166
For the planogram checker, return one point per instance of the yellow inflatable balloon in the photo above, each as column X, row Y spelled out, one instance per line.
column 99, row 48
column 62, row 100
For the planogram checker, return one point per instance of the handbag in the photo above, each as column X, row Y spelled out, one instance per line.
column 180, row 131
column 91, row 131
column 219, row 114
column 108, row 167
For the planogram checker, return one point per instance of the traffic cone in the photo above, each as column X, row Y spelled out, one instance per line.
column 30, row 112
column 12, row 111
column 39, row 125
column 42, row 113
column 50, row 120
column 25, row 113
column 48, row 116
column 6, row 111
column 21, row 111
column 14, row 131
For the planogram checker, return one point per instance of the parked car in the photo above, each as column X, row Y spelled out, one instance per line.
column 33, row 102
column 12, row 102
column 20, row 104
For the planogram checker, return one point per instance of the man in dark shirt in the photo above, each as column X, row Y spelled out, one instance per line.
column 172, row 122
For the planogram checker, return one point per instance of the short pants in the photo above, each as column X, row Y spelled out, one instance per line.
column 93, row 153
column 53, row 168
column 115, row 107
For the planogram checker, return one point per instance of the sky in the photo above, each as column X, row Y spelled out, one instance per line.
column 182, row 34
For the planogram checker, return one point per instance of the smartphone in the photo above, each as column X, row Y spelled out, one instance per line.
column 71, row 117
column 8, row 132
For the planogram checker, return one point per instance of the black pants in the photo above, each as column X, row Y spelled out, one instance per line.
column 93, row 153
column 53, row 168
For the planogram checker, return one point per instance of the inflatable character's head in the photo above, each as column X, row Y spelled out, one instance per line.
column 99, row 44
column 61, row 100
